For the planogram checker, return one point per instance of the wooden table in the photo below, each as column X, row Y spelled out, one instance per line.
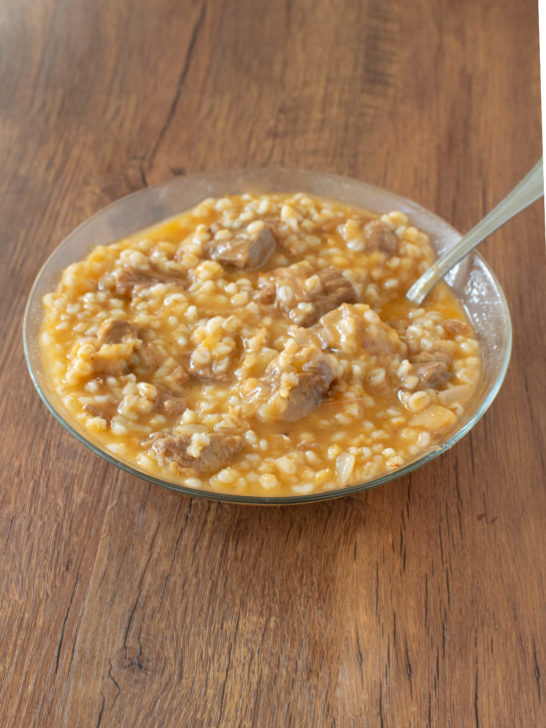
column 420, row 603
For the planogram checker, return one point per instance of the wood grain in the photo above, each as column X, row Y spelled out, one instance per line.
column 421, row 603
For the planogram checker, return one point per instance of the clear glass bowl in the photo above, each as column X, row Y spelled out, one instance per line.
column 472, row 281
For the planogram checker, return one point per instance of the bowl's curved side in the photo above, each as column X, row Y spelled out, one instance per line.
column 472, row 281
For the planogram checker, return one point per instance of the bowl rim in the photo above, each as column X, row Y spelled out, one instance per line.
column 253, row 499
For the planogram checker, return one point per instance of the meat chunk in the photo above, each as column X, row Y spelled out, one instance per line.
column 432, row 374
column 303, row 293
column 250, row 249
column 293, row 385
column 455, row 327
column 106, row 410
column 380, row 237
column 351, row 328
column 168, row 403
column 115, row 343
column 148, row 359
column 431, row 368
column 313, row 385
column 184, row 452
column 336, row 290
column 128, row 280
column 113, row 331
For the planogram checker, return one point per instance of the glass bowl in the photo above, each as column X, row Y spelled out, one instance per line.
column 472, row 281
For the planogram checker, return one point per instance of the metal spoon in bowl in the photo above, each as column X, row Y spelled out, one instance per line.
column 530, row 189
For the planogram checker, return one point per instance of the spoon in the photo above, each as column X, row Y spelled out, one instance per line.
column 530, row 189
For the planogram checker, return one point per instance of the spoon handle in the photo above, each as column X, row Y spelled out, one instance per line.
column 530, row 189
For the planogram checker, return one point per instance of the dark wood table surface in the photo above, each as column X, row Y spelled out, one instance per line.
column 420, row 603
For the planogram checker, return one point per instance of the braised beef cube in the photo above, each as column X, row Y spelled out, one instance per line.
column 128, row 280
column 168, row 403
column 113, row 331
column 380, row 237
column 291, row 388
column 455, row 327
column 336, row 289
column 148, row 360
column 313, row 385
column 353, row 327
column 106, row 410
column 116, row 342
column 432, row 374
column 250, row 249
column 303, row 293
column 431, row 368
column 220, row 451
